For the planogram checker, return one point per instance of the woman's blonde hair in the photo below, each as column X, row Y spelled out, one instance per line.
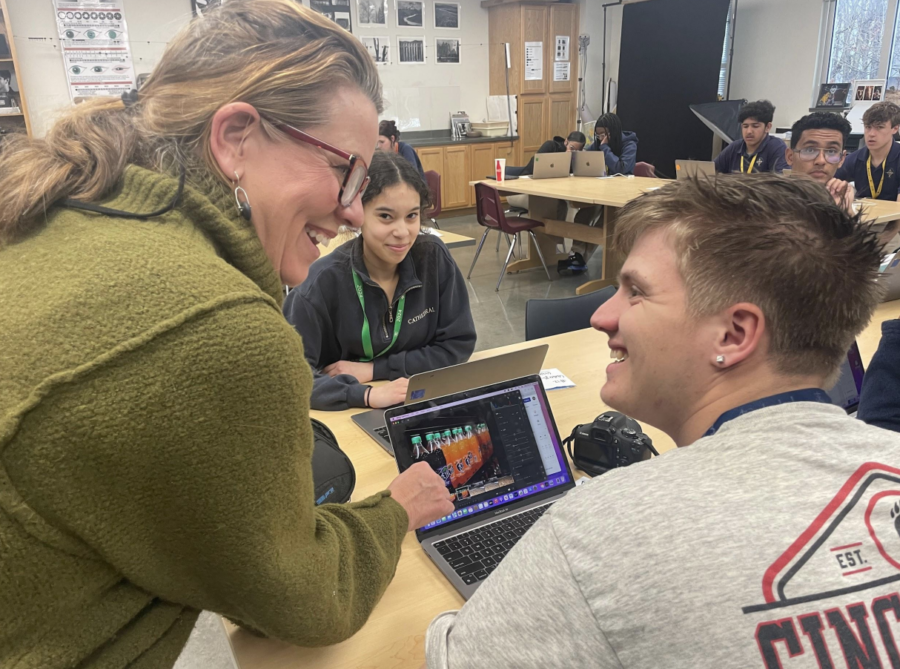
column 282, row 58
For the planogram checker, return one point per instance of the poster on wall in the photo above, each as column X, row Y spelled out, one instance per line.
column 409, row 13
column 379, row 48
column 446, row 15
column 868, row 90
column 411, row 50
column 95, row 48
column 336, row 10
column 446, row 50
column 372, row 12
column 534, row 61
column 562, row 47
column 561, row 71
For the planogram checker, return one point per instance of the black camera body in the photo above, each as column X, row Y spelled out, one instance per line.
column 613, row 440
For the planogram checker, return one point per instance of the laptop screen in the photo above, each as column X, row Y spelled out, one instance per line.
column 491, row 449
column 846, row 391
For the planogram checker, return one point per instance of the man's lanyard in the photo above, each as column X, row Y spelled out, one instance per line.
column 752, row 163
column 805, row 395
column 875, row 193
column 366, row 334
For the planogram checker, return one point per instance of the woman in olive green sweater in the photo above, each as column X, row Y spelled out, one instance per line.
column 155, row 441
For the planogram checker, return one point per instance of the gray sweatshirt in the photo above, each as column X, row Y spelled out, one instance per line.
column 774, row 543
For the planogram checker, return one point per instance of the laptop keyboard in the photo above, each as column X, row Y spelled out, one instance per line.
column 475, row 554
column 383, row 433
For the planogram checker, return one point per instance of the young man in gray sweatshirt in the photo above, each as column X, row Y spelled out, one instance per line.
column 771, row 538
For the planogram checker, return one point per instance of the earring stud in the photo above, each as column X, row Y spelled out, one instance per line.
column 720, row 359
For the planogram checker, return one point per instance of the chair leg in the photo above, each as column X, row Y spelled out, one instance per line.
column 480, row 244
column 540, row 254
column 434, row 224
column 505, row 265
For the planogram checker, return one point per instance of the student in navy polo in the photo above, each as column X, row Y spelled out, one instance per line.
column 757, row 150
column 875, row 169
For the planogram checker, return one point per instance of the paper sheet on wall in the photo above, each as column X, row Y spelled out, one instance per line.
column 534, row 61
column 95, row 48
column 553, row 379
column 561, row 71
column 562, row 47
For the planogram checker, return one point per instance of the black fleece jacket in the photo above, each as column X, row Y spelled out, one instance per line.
column 437, row 328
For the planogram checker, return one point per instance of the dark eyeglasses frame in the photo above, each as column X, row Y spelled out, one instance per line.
column 345, row 197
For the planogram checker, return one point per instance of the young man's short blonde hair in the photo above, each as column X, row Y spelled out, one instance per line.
column 781, row 244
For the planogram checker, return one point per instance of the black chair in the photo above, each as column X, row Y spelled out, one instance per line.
column 544, row 318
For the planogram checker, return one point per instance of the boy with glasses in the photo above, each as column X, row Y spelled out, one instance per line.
column 875, row 169
column 817, row 151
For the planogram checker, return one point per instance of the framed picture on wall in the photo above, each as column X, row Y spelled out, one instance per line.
column 446, row 50
column 833, row 95
column 336, row 10
column 200, row 6
column 372, row 12
column 864, row 90
column 379, row 48
column 446, row 15
column 410, row 13
column 411, row 50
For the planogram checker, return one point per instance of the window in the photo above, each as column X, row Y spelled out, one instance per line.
column 857, row 39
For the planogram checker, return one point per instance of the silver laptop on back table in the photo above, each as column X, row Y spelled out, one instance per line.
column 552, row 165
column 454, row 379
column 685, row 169
column 499, row 452
column 589, row 164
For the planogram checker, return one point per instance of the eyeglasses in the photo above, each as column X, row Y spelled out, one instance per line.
column 357, row 177
column 808, row 153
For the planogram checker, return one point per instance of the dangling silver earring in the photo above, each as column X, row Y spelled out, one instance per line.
column 243, row 206
column 720, row 359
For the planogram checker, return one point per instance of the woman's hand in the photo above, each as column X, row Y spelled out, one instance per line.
column 389, row 394
column 362, row 371
column 423, row 495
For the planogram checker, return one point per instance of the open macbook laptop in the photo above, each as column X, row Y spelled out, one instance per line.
column 846, row 391
column 589, row 164
column 685, row 169
column 552, row 165
column 499, row 452
column 454, row 379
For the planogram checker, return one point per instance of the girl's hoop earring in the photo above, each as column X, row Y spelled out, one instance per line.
column 243, row 205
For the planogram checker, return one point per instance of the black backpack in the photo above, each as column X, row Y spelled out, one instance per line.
column 333, row 475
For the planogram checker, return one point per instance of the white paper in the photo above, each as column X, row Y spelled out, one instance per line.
column 562, row 47
column 498, row 109
column 560, row 71
column 432, row 231
column 534, row 61
column 95, row 48
column 554, row 379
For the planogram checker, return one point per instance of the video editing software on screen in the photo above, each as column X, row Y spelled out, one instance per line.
column 489, row 450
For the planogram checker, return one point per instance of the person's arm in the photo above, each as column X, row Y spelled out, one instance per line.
column 879, row 403
column 330, row 393
column 454, row 340
column 192, row 477
column 531, row 610
column 623, row 164
column 723, row 161
column 779, row 160
column 410, row 154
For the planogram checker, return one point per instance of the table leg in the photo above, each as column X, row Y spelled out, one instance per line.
column 612, row 259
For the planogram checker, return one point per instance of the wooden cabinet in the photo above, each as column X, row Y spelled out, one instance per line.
column 483, row 156
column 19, row 121
column 455, row 177
column 432, row 158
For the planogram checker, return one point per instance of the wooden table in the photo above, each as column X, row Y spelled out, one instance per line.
column 394, row 636
column 451, row 241
column 612, row 193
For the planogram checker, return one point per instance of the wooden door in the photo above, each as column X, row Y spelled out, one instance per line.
column 562, row 115
column 455, row 177
column 533, row 126
column 432, row 158
column 534, row 29
column 563, row 23
column 482, row 165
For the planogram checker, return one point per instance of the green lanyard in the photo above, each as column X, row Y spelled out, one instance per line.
column 366, row 334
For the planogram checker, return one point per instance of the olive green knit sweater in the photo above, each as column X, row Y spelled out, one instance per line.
column 155, row 445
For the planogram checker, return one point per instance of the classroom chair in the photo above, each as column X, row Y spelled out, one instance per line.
column 544, row 318
column 644, row 170
column 489, row 213
column 433, row 179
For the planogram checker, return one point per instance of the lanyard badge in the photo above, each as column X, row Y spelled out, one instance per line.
column 875, row 193
column 366, row 334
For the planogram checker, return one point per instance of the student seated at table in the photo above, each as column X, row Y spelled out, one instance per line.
column 386, row 305
column 875, row 168
column 879, row 402
column 574, row 142
column 721, row 553
column 817, row 151
column 757, row 150
column 619, row 146
column 389, row 140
